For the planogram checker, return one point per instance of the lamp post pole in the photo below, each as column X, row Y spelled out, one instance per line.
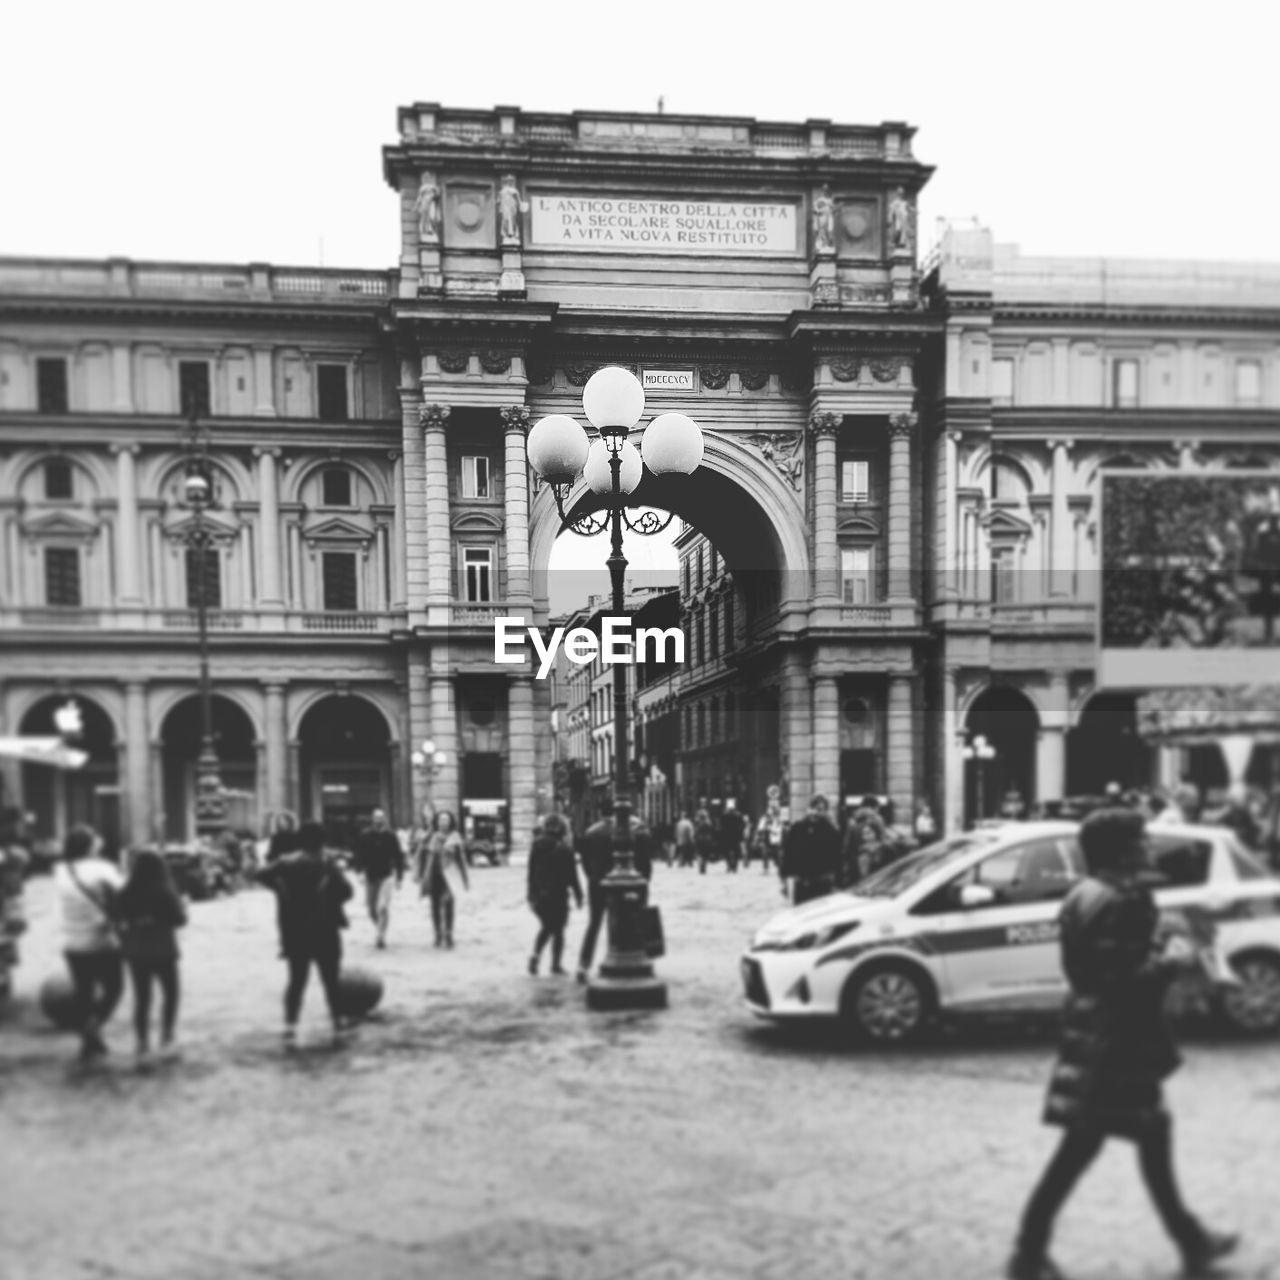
column 558, row 450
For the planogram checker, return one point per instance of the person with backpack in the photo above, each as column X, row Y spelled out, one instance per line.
column 312, row 892
column 86, row 884
column 148, row 913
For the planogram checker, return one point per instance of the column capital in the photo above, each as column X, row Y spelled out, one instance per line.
column 131, row 447
column 515, row 418
column 1064, row 445
column 433, row 415
column 825, row 424
column 393, row 455
column 902, row 425
column 275, row 686
column 263, row 450
column 135, row 686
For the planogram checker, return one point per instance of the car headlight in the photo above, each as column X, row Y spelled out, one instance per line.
column 810, row 941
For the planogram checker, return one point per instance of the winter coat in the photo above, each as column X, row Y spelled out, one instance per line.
column 553, row 875
column 312, row 892
column 812, row 850
column 1116, row 1046
column 596, row 849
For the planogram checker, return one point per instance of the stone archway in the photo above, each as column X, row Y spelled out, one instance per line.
column 346, row 766
column 1008, row 720
column 236, row 742
column 61, row 799
column 1105, row 746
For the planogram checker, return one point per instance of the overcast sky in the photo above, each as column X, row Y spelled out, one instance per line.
column 244, row 132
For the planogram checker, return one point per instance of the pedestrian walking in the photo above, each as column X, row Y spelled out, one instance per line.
column 684, row 840
column 770, row 834
column 706, row 843
column 313, row 892
column 149, row 912
column 732, row 827
column 86, row 884
column 442, row 870
column 553, row 876
column 380, row 858
column 926, row 829
column 1116, row 1046
column 596, row 851
column 865, row 842
column 811, row 855
column 284, row 835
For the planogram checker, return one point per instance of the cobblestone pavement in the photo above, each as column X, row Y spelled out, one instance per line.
column 485, row 1124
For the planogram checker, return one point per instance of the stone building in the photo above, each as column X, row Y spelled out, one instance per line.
column 375, row 512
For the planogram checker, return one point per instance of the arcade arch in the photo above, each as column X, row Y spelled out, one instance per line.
column 1008, row 720
column 180, row 740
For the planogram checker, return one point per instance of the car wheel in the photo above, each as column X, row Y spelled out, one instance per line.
column 1253, row 1006
column 889, row 1005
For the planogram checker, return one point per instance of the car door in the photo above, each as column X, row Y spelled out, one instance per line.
column 1003, row 954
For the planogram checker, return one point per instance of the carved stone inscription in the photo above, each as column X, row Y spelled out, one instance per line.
column 662, row 226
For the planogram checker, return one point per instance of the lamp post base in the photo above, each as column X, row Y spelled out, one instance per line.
column 608, row 992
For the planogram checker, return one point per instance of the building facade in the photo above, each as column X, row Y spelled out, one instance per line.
column 886, row 446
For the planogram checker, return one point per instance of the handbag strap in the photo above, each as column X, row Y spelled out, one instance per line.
column 102, row 906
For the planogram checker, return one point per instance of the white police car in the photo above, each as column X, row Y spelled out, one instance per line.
column 969, row 925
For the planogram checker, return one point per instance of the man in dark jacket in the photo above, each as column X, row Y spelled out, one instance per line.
column 378, row 856
column 596, row 851
column 312, row 891
column 732, row 828
column 1116, row 1047
column 811, row 854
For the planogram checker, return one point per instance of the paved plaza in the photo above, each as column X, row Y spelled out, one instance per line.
column 485, row 1125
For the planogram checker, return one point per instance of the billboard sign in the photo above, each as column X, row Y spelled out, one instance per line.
column 1190, row 579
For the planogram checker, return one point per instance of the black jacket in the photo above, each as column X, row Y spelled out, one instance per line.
column 1116, row 1046
column 311, row 892
column 596, row 849
column 378, row 854
column 553, row 872
column 812, row 849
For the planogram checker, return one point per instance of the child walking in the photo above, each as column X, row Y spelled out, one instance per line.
column 148, row 913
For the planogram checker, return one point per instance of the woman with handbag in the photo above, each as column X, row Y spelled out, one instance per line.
column 1116, row 1046
column 87, row 884
column 553, row 875
column 442, row 868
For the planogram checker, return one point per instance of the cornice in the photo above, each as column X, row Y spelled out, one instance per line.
column 1150, row 421
column 1158, row 316
column 193, row 311
column 882, row 326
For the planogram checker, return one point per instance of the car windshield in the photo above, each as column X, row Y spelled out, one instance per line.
column 900, row 876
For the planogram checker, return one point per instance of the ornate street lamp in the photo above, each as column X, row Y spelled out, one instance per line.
column 428, row 761
column 559, row 448
column 199, row 536
column 980, row 751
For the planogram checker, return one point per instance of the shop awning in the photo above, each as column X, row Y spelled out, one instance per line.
column 36, row 750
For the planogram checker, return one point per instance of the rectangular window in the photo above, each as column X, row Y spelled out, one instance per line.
column 1002, row 382
column 713, row 640
column 855, row 575
column 1124, row 384
column 58, row 480
column 208, row 560
column 1248, row 382
column 341, row 591
column 715, row 564
column 700, row 567
column 51, row 384
column 700, row 640
column 62, row 576
column 337, row 487
column 193, row 388
column 478, row 570
column 475, row 477
column 686, row 574
column 331, row 392
column 728, row 623
column 855, row 480
column 1002, row 576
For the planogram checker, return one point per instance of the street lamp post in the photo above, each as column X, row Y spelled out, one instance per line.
column 198, row 535
column 980, row 751
column 559, row 448
column 428, row 761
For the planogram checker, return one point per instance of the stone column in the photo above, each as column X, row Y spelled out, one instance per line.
column 10, row 770
column 269, row 584
column 952, row 813
column 1061, row 371
column 438, row 579
column 797, row 722
column 522, row 760
column 901, row 428
column 264, row 391
column 446, row 790
column 824, row 428
column 826, row 739
column 276, row 742
column 121, row 378
column 1051, row 741
column 128, row 560
column 1062, row 532
column 136, row 821
column 515, row 492
column 420, row 725
column 900, row 747
column 397, row 531
column 1168, row 767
